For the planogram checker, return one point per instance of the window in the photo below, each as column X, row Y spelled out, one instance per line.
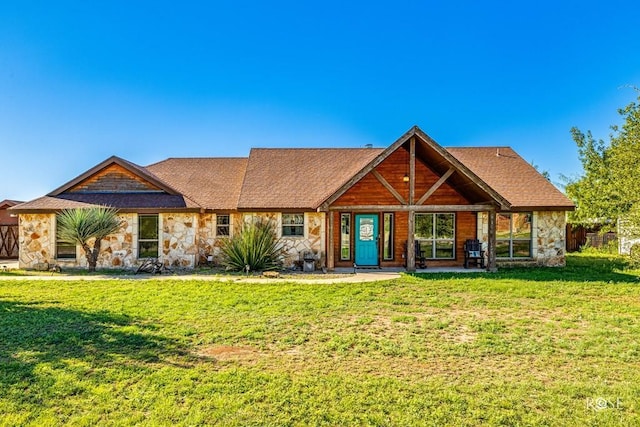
column 387, row 244
column 222, row 225
column 293, row 224
column 435, row 233
column 147, row 236
column 64, row 250
column 345, row 236
column 513, row 235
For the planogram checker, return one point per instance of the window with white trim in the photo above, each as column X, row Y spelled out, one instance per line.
column 292, row 224
column 223, row 225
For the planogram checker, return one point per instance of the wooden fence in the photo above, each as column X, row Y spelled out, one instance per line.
column 8, row 241
column 578, row 236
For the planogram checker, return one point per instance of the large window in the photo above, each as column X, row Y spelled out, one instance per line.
column 513, row 235
column 436, row 234
column 345, row 236
column 64, row 250
column 293, row 224
column 222, row 225
column 387, row 229
column 147, row 236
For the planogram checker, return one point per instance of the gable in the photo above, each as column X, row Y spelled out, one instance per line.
column 114, row 179
column 370, row 191
column 439, row 178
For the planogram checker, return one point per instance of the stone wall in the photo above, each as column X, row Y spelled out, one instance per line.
column 549, row 239
column 178, row 237
column 185, row 240
column 37, row 245
column 116, row 250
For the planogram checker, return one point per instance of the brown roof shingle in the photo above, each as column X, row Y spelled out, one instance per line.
column 212, row 183
column 299, row 178
column 512, row 177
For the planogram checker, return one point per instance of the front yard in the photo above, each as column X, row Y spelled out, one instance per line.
column 520, row 347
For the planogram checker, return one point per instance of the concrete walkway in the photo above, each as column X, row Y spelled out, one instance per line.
column 338, row 277
column 344, row 275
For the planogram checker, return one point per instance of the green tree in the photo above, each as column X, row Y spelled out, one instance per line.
column 80, row 226
column 610, row 185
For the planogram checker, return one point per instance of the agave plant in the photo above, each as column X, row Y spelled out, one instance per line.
column 79, row 226
column 255, row 245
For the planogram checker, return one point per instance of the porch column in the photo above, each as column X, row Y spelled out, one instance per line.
column 411, row 247
column 330, row 257
column 491, row 265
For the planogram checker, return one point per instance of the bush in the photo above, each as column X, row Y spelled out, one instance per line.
column 634, row 256
column 256, row 246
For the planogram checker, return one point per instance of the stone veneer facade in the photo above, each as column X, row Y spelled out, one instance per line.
column 185, row 240
column 188, row 239
column 548, row 238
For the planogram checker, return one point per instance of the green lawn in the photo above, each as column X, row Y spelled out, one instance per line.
column 519, row 347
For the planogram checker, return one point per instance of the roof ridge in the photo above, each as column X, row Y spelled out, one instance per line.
column 316, row 148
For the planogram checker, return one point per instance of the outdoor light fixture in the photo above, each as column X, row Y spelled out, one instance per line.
column 405, row 178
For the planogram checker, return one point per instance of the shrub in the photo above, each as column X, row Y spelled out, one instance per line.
column 255, row 245
column 634, row 256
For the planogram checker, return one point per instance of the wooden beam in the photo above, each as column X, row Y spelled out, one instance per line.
column 330, row 248
column 435, row 186
column 421, row 208
column 412, row 169
column 411, row 247
column 491, row 265
column 388, row 186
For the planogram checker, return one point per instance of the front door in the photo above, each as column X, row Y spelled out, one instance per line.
column 366, row 239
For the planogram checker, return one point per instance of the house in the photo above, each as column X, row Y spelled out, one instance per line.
column 8, row 230
column 364, row 206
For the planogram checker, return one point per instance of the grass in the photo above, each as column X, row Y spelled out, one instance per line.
column 519, row 347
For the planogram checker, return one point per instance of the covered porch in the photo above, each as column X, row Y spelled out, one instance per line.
column 414, row 203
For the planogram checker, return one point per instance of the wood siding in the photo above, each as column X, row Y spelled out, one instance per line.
column 114, row 178
column 369, row 190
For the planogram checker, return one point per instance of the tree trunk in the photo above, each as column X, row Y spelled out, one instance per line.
column 89, row 256
column 94, row 254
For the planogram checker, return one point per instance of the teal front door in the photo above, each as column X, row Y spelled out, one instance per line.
column 366, row 239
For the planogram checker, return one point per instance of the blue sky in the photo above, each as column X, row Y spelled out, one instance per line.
column 81, row 81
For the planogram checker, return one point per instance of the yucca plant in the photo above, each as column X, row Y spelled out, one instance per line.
column 81, row 225
column 255, row 245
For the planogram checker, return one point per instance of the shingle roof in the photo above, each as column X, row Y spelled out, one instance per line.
column 121, row 201
column 296, row 178
column 299, row 178
column 9, row 203
column 212, row 183
column 511, row 176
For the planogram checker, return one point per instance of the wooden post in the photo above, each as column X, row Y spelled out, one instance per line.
column 491, row 265
column 411, row 246
column 412, row 170
column 330, row 248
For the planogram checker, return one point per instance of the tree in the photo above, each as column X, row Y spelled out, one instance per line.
column 80, row 226
column 610, row 186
